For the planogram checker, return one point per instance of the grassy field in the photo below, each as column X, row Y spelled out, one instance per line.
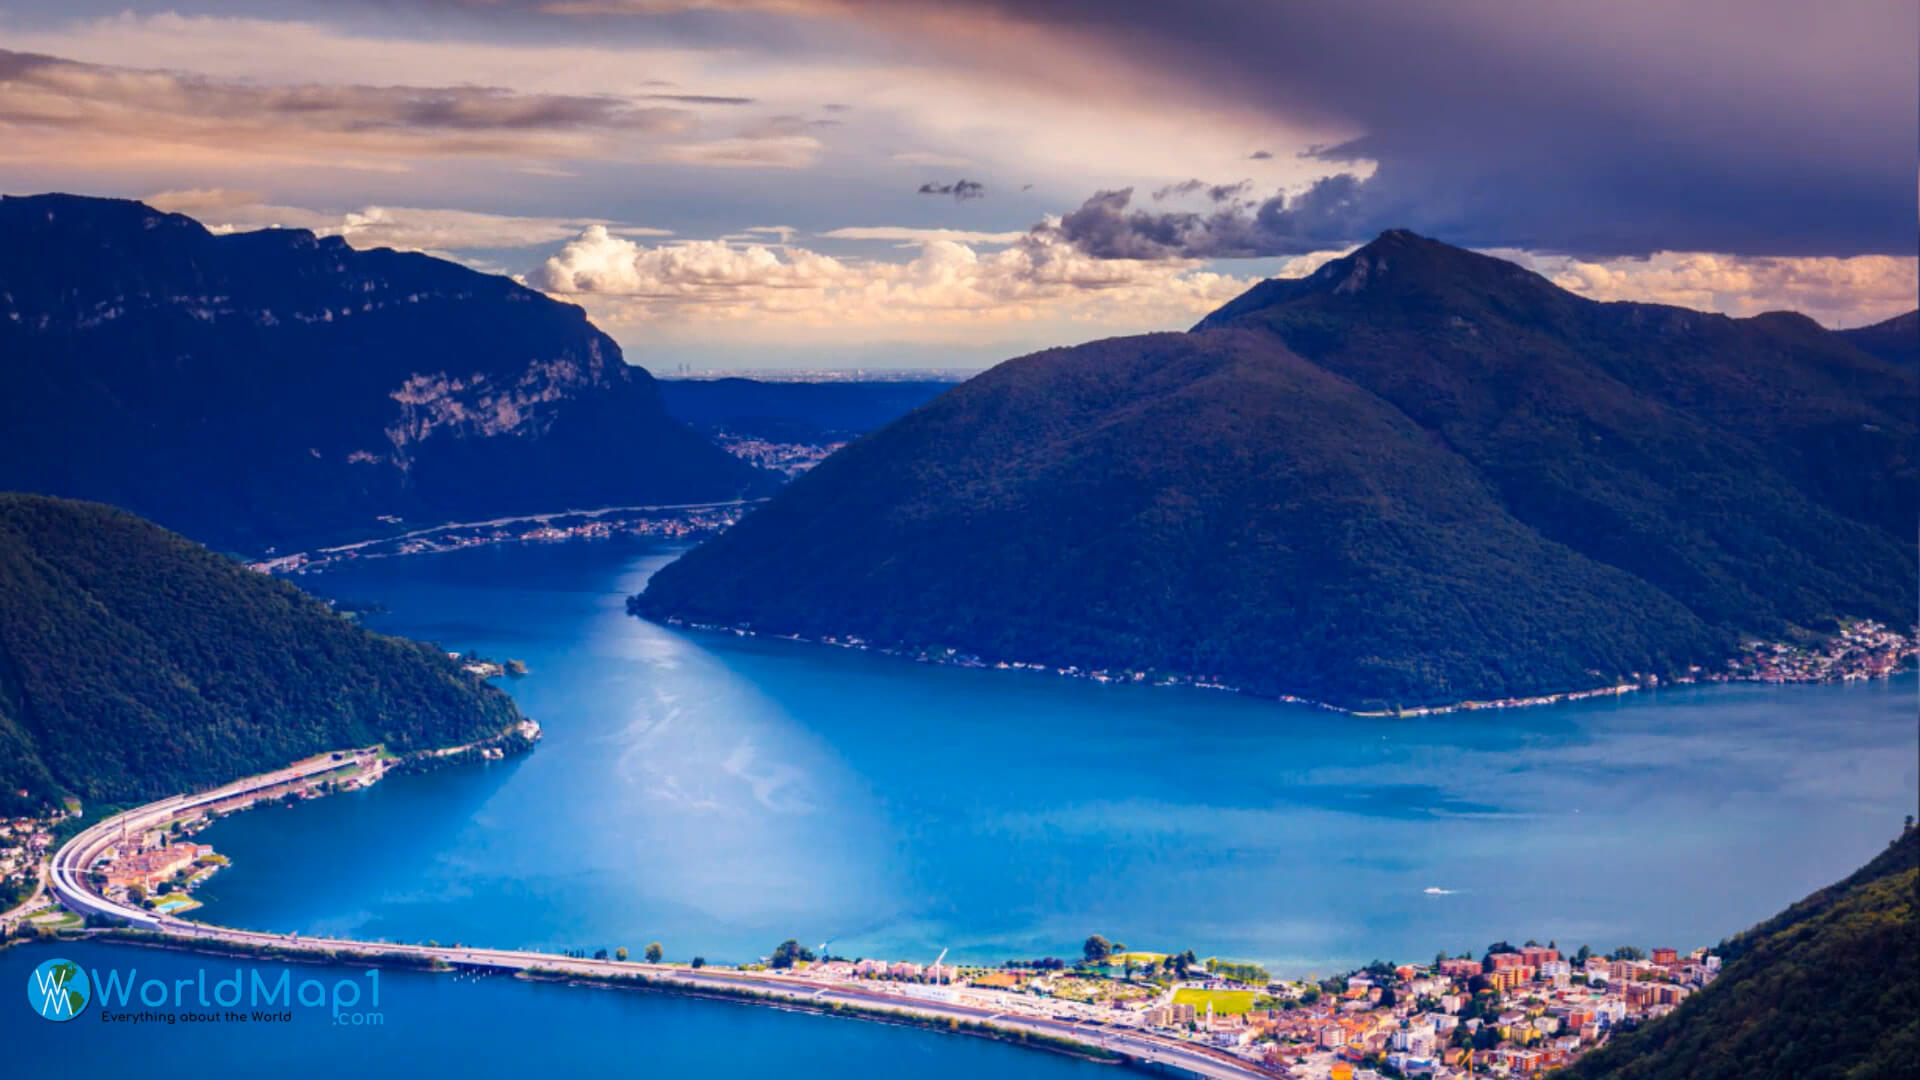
column 1225, row 1002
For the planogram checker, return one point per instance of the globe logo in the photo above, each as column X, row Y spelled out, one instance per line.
column 58, row 990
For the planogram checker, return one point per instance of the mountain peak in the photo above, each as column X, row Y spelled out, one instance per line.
column 1394, row 267
column 63, row 211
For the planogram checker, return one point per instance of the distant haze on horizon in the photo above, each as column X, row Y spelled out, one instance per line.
column 837, row 184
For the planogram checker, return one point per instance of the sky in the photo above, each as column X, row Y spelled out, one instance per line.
column 759, row 184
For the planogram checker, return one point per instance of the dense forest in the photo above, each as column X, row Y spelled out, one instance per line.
column 275, row 389
column 1418, row 476
column 135, row 663
column 1896, row 340
column 1827, row 990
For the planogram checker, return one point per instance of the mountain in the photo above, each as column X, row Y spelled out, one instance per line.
column 1826, row 990
column 1418, row 476
column 814, row 413
column 275, row 388
column 135, row 663
column 1897, row 340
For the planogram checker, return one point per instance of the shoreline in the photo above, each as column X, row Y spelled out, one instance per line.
column 783, row 999
column 304, row 562
column 947, row 657
column 72, row 864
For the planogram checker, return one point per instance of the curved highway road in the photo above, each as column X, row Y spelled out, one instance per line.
column 73, row 862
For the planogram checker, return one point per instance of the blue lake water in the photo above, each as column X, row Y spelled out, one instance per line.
column 473, row 1027
column 720, row 794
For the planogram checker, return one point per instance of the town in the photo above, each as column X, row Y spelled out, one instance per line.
column 1861, row 649
column 659, row 524
column 788, row 458
column 1513, row 1011
column 1516, row 1010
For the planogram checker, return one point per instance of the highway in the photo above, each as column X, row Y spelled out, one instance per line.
column 71, row 864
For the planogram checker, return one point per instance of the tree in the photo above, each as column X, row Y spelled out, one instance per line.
column 788, row 953
column 654, row 953
column 1627, row 952
column 1580, row 958
column 620, row 953
column 1097, row 949
column 599, row 954
column 701, row 961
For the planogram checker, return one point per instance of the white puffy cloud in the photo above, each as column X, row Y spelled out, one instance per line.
column 1837, row 292
column 751, row 291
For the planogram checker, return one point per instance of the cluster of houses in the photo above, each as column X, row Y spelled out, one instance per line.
column 23, row 843
column 149, row 867
column 791, row 459
column 898, row 970
column 1516, row 1013
column 1863, row 649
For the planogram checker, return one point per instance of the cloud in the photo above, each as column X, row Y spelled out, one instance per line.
column 1260, row 155
column 1215, row 192
column 906, row 235
column 1837, row 292
column 48, row 104
column 961, row 190
column 778, row 152
column 1755, row 127
column 401, row 227
column 932, row 160
column 698, row 99
column 1321, row 217
column 761, row 289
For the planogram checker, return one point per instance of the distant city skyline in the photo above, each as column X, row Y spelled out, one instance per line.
column 835, row 184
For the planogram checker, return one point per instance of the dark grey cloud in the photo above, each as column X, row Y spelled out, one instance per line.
column 1742, row 126
column 1218, row 193
column 1260, row 155
column 699, row 99
column 1108, row 226
column 1753, row 127
column 961, row 190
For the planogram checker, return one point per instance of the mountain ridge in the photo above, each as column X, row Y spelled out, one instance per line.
column 135, row 663
column 1416, row 477
column 1825, row 989
column 274, row 388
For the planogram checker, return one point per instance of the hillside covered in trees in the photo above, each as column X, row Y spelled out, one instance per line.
column 1829, row 989
column 275, row 389
column 1418, row 476
column 135, row 663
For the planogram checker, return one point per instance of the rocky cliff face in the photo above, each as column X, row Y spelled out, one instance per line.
column 276, row 388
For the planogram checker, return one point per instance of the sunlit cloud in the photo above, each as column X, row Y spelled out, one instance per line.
column 49, row 105
column 756, row 288
column 402, row 227
column 1837, row 292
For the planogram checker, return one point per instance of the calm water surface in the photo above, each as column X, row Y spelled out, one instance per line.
column 719, row 794
column 440, row 1025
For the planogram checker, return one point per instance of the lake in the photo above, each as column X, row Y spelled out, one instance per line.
column 719, row 794
column 467, row 1026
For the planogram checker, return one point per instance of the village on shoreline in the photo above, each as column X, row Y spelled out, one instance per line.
column 1860, row 650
